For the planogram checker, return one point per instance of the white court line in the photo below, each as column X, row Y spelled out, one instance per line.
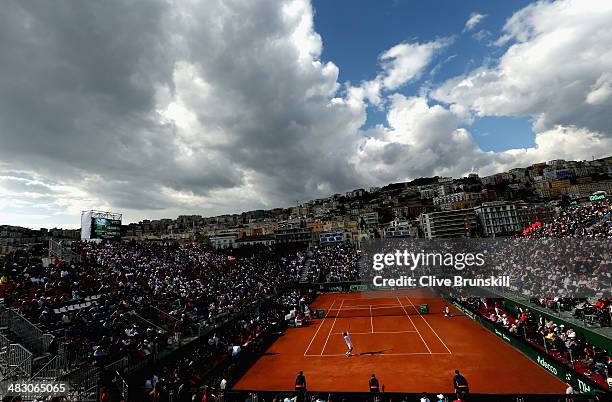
column 435, row 333
column 351, row 308
column 421, row 336
column 318, row 329
column 330, row 330
column 371, row 320
column 382, row 354
column 372, row 305
column 377, row 332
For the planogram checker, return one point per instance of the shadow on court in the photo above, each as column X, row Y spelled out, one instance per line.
column 378, row 352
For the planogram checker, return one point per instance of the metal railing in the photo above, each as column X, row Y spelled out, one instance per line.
column 123, row 386
column 31, row 336
column 58, row 250
column 4, row 318
column 167, row 318
column 18, row 360
column 50, row 370
column 15, row 360
column 4, row 347
column 82, row 379
column 117, row 366
column 145, row 321
column 4, row 342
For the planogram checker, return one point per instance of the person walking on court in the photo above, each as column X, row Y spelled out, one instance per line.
column 374, row 388
column 447, row 311
column 461, row 385
column 349, row 343
column 300, row 386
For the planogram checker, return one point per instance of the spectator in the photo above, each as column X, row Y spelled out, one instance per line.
column 300, row 386
column 461, row 385
column 609, row 372
column 374, row 385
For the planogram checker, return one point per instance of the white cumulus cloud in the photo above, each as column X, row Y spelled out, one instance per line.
column 473, row 20
column 556, row 69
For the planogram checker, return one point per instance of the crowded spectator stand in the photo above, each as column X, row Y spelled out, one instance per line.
column 558, row 341
column 124, row 303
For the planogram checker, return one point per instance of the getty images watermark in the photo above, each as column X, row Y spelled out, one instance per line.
column 404, row 261
column 477, row 267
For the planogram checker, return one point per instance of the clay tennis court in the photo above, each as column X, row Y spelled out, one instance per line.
column 407, row 351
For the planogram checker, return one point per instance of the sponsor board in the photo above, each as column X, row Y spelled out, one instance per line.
column 465, row 311
column 503, row 336
column 542, row 362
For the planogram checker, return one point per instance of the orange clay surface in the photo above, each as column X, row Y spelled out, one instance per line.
column 407, row 351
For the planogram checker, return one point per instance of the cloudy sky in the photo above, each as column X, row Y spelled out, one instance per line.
column 156, row 108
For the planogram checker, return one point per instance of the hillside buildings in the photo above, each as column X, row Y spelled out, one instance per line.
column 439, row 207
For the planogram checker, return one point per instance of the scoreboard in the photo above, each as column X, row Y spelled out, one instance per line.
column 100, row 225
column 104, row 228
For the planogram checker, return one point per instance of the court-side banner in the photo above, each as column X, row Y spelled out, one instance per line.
column 472, row 267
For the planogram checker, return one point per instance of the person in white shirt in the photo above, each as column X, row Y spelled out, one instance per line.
column 447, row 311
column 349, row 343
column 424, row 398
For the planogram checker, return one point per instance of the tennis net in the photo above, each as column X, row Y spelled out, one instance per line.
column 378, row 311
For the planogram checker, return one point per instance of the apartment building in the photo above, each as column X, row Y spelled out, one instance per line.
column 498, row 218
column 449, row 224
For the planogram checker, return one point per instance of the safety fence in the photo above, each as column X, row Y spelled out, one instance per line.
column 4, row 318
column 15, row 360
column 58, row 250
column 30, row 336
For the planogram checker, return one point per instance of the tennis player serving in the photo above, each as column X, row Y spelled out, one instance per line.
column 349, row 343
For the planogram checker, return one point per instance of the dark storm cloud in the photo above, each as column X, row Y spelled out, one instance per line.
column 276, row 117
column 78, row 81
column 82, row 81
column 219, row 106
column 24, row 186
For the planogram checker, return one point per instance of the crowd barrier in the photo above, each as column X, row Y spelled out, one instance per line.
column 4, row 318
column 59, row 250
column 32, row 337
column 15, row 360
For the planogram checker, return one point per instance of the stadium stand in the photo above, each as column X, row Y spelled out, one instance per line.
column 587, row 220
column 122, row 302
column 334, row 263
